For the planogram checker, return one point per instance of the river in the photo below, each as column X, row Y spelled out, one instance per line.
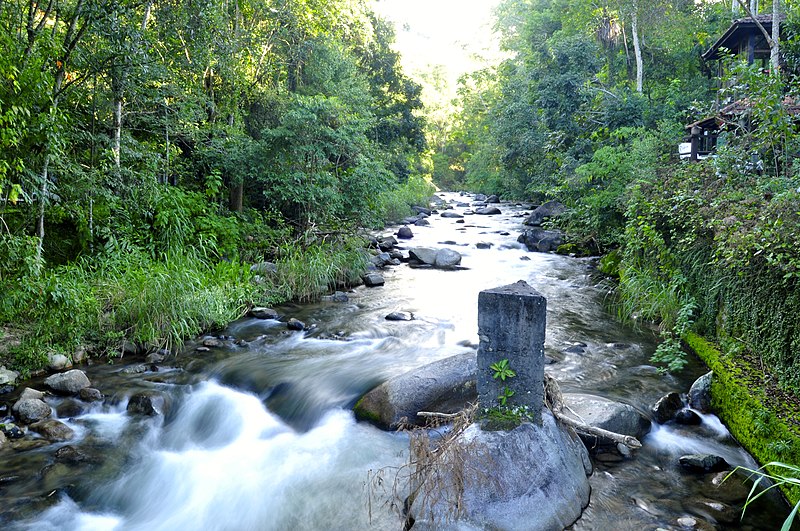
column 261, row 435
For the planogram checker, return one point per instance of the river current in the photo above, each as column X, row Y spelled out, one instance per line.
column 261, row 436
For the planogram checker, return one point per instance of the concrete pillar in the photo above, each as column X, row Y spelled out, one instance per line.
column 511, row 324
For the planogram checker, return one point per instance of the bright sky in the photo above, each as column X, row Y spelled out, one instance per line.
column 442, row 32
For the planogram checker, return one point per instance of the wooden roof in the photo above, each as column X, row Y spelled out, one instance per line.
column 738, row 31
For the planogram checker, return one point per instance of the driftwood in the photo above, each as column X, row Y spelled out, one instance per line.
column 555, row 401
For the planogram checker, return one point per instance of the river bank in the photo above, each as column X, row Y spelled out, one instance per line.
column 259, row 429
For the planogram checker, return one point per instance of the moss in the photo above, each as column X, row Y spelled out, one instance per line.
column 363, row 412
column 609, row 263
column 741, row 404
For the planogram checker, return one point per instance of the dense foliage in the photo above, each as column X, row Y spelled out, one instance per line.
column 149, row 149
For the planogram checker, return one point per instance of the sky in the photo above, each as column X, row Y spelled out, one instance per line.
column 442, row 32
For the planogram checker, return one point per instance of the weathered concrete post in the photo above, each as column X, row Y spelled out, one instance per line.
column 511, row 324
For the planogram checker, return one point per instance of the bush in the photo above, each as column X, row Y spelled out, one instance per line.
column 394, row 205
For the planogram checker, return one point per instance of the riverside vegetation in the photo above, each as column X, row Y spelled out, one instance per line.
column 588, row 109
column 151, row 152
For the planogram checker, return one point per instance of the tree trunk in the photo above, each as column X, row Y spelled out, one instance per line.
column 774, row 51
column 637, row 50
column 117, row 140
column 236, row 196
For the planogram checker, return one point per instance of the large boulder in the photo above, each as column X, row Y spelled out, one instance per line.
column 404, row 233
column 443, row 258
column 372, row 280
column 31, row 410
column 58, row 362
column 447, row 258
column 607, row 414
column 551, row 209
column 700, row 394
column 541, row 240
column 445, row 386
column 532, row 477
column 488, row 211
column 69, row 383
column 492, row 199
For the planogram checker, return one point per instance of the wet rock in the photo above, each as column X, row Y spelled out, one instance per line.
column 31, row 410
column 139, row 368
column 483, row 245
column 69, row 454
column 296, row 325
column 421, row 210
column 53, row 430
column 460, row 221
column 687, row 417
column 400, row 316
column 11, row 431
column 576, row 349
column 202, row 349
column 538, row 480
column 70, row 408
column 338, row 296
column 687, row 522
column 158, row 356
column 445, row 386
column 492, row 199
column 129, row 348
column 79, row 355
column 31, row 394
column 488, row 211
column 263, row 313
column 147, row 403
column 731, row 490
column 264, row 269
column 3, row 439
column 700, row 393
column 666, row 407
column 607, row 414
column 58, row 362
column 372, row 280
column 27, row 444
column 541, row 240
column 90, row 394
column 424, row 255
column 525, row 258
column 451, row 214
column 404, row 233
column 387, row 243
column 70, row 382
column 422, row 223
column 550, row 209
column 703, row 463
column 479, row 197
column 212, row 342
column 447, row 258
column 715, row 511
column 7, row 376
column 5, row 389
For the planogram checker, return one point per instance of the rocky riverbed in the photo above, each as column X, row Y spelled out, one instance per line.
column 252, row 427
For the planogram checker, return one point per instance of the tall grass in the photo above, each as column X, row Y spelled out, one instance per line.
column 394, row 205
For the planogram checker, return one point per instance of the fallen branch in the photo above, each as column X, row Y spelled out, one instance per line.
column 555, row 401
column 436, row 415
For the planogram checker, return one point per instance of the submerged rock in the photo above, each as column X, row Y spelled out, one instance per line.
column 53, row 430
column 532, row 477
column 703, row 463
column 296, row 325
column 687, row 417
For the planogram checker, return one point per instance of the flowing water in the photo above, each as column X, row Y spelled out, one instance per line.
column 261, row 436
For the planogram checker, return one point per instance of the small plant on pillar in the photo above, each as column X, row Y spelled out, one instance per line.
column 504, row 416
